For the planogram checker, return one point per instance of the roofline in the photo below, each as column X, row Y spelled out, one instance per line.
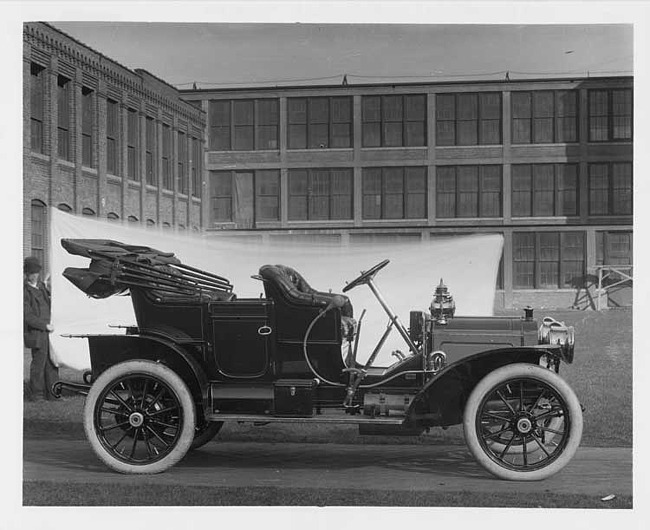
column 395, row 84
column 134, row 71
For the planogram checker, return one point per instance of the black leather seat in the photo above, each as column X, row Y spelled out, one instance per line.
column 287, row 286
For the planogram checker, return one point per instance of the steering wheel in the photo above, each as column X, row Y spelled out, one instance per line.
column 365, row 276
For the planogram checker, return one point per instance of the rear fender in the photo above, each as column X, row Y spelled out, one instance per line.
column 442, row 400
column 108, row 350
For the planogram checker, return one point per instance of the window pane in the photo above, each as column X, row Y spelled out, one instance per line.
column 371, row 108
column 392, row 134
column 549, row 256
column 598, row 111
column 521, row 105
column 268, row 111
column 467, row 191
column 319, row 110
column 220, row 125
column 568, row 189
column 467, row 133
column 522, row 190
column 298, row 183
column 416, row 192
column 445, row 192
column 297, row 110
column 445, row 133
column 371, row 193
column 544, row 186
column 341, row 109
column 598, row 189
column 371, row 134
column 572, row 265
column 490, row 191
column 297, row 136
column 523, row 260
column 622, row 189
column 318, row 136
column 490, row 106
column 415, row 134
column 341, row 135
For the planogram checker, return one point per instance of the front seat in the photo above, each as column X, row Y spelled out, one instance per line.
column 291, row 292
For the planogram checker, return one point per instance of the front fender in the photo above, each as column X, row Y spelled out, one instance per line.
column 442, row 399
column 108, row 350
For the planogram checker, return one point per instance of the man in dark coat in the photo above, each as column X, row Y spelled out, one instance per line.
column 36, row 307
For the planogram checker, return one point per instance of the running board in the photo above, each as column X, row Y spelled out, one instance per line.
column 347, row 419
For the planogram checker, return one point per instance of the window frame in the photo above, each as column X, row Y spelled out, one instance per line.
column 610, row 188
column 64, row 108
column 481, row 191
column 381, row 120
column 87, row 127
column 181, row 162
column 260, row 123
column 309, row 196
column 230, row 196
column 113, row 137
column 196, row 167
column 609, row 115
column 38, row 217
column 151, row 175
column 561, row 262
column 37, row 87
column 480, row 119
column 555, row 117
column 166, row 158
column 559, row 188
column 384, row 192
column 310, row 125
column 133, row 144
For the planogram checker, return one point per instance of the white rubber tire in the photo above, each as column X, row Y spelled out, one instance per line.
column 499, row 377
column 182, row 395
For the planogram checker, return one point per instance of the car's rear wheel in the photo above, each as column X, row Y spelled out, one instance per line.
column 139, row 417
column 517, row 408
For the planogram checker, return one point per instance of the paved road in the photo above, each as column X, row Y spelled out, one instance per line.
column 593, row 471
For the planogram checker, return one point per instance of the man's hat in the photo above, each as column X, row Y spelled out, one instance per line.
column 31, row 265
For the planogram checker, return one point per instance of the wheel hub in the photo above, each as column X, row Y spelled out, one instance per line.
column 136, row 419
column 524, row 425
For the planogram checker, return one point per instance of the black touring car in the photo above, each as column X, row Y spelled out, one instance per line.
column 199, row 356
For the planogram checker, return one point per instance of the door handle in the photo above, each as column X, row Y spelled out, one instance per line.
column 264, row 330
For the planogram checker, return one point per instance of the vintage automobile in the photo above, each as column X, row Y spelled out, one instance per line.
column 200, row 356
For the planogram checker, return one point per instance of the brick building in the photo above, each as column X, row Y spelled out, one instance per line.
column 547, row 163
column 102, row 140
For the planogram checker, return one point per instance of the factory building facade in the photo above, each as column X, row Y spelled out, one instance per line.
column 546, row 163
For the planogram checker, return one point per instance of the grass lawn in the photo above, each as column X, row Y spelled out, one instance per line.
column 601, row 376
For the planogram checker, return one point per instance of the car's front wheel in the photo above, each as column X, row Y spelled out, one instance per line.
column 139, row 417
column 522, row 422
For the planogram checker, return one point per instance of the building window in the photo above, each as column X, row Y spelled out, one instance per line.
column 320, row 194
column 548, row 260
column 132, row 143
column 544, row 190
column 394, row 193
column 37, row 104
column 150, row 148
column 610, row 115
column 244, row 197
column 244, row 125
column 39, row 230
column 112, row 136
column 468, row 191
column 317, row 123
column 610, row 188
column 544, row 116
column 394, row 121
column 87, row 126
column 63, row 123
column 267, row 195
column 196, row 167
column 614, row 248
column 468, row 119
column 167, row 181
column 182, row 163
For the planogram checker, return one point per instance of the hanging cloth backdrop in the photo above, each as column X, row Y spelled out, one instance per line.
column 467, row 264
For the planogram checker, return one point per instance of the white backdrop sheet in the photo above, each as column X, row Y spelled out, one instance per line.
column 468, row 265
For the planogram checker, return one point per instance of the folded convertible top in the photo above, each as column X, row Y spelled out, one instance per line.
column 116, row 267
